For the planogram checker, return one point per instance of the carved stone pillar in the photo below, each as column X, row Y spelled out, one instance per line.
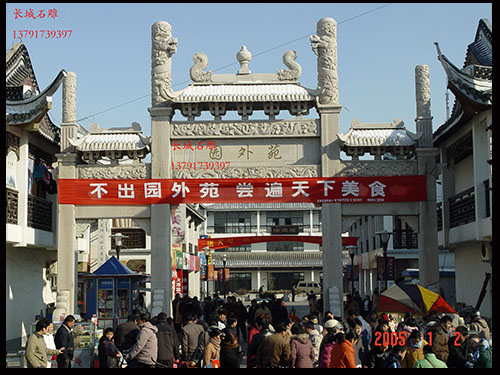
column 324, row 45
column 423, row 98
column 426, row 155
column 163, row 47
column 69, row 129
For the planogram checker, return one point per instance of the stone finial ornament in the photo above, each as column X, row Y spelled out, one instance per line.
column 294, row 70
column 244, row 56
column 324, row 45
column 200, row 63
column 164, row 45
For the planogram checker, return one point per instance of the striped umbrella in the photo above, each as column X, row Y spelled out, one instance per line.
column 412, row 298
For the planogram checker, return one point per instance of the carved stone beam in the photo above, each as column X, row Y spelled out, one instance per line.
column 217, row 110
column 190, row 110
column 245, row 110
column 299, row 108
column 271, row 109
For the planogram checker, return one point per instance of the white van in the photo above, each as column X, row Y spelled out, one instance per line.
column 307, row 286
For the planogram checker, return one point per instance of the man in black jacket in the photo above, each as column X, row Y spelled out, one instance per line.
column 168, row 344
column 459, row 349
column 64, row 339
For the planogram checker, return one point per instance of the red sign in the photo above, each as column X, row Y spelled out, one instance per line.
column 253, row 190
column 221, row 243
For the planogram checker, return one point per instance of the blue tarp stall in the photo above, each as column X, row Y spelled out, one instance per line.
column 112, row 293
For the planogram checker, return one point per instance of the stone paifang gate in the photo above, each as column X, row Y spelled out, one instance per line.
column 279, row 158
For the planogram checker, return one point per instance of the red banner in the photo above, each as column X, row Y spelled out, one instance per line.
column 221, row 243
column 253, row 190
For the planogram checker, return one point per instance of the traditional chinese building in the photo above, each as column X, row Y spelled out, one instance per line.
column 465, row 151
column 32, row 140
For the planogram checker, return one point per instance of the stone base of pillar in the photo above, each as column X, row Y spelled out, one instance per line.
column 61, row 310
column 158, row 302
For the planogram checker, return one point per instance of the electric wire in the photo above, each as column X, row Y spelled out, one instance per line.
column 234, row 63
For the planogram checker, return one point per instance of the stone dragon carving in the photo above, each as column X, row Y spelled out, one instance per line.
column 200, row 63
column 294, row 70
column 324, row 45
column 164, row 45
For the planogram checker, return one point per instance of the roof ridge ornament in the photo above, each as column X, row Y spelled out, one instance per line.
column 294, row 71
column 244, row 57
column 196, row 72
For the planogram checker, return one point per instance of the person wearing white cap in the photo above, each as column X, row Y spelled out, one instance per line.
column 332, row 327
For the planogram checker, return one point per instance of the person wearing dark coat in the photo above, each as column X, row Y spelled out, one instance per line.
column 459, row 350
column 230, row 352
column 108, row 352
column 64, row 339
column 395, row 357
column 126, row 334
column 168, row 343
column 377, row 356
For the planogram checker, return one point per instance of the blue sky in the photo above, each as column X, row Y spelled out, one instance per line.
column 110, row 51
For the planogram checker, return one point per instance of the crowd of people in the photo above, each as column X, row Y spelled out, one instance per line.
column 218, row 333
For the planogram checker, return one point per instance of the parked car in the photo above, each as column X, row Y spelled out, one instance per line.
column 307, row 286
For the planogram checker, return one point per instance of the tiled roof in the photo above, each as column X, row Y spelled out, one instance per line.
column 112, row 139
column 245, row 93
column 378, row 135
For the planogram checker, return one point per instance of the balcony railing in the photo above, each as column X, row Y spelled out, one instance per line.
column 11, row 210
column 39, row 213
column 462, row 208
column 268, row 229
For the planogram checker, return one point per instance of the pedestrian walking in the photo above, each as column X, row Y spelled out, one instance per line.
column 64, row 339
column 168, row 343
column 342, row 355
column 302, row 353
column 377, row 356
column 414, row 349
column 230, row 351
column 274, row 351
column 211, row 354
column 332, row 327
column 126, row 334
column 480, row 326
column 263, row 330
column 395, row 357
column 190, row 334
column 50, row 343
column 144, row 353
column 107, row 351
column 460, row 352
column 482, row 357
column 36, row 349
column 315, row 338
column 439, row 334
column 430, row 360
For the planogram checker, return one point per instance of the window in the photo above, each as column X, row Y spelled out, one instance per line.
column 285, row 246
column 285, row 218
column 232, row 222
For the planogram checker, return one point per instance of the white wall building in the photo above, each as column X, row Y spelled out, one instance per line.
column 464, row 141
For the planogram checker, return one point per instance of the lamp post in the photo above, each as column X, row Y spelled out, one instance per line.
column 118, row 243
column 384, row 239
column 352, row 251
